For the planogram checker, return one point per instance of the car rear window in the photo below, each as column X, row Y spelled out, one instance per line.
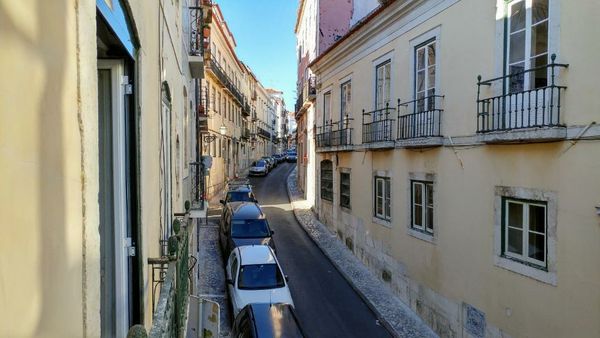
column 239, row 196
column 260, row 276
column 250, row 228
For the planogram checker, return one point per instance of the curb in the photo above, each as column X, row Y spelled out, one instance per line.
column 388, row 326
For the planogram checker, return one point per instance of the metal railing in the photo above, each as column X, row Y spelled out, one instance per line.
column 299, row 102
column 518, row 107
column 196, row 34
column 169, row 317
column 246, row 133
column 420, row 117
column 263, row 132
column 215, row 67
column 335, row 133
column 377, row 125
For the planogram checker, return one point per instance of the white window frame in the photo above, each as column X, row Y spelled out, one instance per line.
column 527, row 57
column 326, row 107
column 383, row 96
column 383, row 195
column 345, row 100
column 427, row 189
column 525, row 231
column 548, row 274
column 501, row 38
column 431, row 36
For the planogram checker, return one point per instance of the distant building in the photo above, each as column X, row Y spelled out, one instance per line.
column 319, row 24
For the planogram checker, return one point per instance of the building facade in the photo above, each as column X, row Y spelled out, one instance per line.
column 239, row 110
column 319, row 24
column 458, row 160
column 95, row 165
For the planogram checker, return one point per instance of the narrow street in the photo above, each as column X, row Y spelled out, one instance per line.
column 326, row 304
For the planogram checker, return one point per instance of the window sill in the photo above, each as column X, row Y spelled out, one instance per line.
column 515, row 266
column 385, row 223
column 421, row 235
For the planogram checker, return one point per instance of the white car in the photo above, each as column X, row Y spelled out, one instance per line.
column 259, row 167
column 254, row 276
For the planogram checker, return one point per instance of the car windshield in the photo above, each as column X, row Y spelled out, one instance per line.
column 260, row 163
column 260, row 276
column 239, row 196
column 250, row 228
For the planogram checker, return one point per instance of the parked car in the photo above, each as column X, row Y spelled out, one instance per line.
column 267, row 321
column 244, row 223
column 239, row 193
column 291, row 156
column 259, row 168
column 278, row 158
column 254, row 276
column 269, row 161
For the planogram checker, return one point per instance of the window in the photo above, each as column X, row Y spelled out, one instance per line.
column 345, row 190
column 219, row 103
column 346, row 104
column 383, row 198
column 212, row 102
column 326, row 107
column 327, row 180
column 425, row 72
column 382, row 82
column 422, row 206
column 527, row 43
column 524, row 231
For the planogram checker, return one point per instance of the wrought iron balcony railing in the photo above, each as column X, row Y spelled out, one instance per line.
column 299, row 103
column 226, row 82
column 377, row 125
column 334, row 134
column 196, row 33
column 420, row 117
column 246, row 133
column 263, row 133
column 518, row 107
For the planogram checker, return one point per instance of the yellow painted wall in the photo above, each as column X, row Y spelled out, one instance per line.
column 459, row 267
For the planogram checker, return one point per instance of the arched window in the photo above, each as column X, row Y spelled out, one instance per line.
column 327, row 180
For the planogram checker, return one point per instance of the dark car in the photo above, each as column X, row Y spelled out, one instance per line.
column 267, row 321
column 239, row 193
column 244, row 223
column 291, row 156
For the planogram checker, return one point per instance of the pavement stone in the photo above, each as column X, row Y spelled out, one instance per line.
column 397, row 317
column 211, row 281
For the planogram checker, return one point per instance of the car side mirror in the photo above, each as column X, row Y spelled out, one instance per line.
column 222, row 202
column 287, row 278
column 272, row 232
column 229, row 281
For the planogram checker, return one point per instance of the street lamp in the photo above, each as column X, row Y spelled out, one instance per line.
column 223, row 130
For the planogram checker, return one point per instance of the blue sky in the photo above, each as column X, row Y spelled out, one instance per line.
column 264, row 33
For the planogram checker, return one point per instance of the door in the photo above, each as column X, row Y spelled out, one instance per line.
column 114, row 241
column 528, row 95
column 165, row 160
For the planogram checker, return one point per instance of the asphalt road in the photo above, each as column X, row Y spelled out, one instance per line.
column 325, row 303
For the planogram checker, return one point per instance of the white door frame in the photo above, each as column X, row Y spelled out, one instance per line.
column 121, row 239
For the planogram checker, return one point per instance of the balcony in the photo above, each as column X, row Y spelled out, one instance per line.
column 245, row 134
column 309, row 89
column 199, row 38
column 335, row 136
column 420, row 122
column 518, row 114
column 378, row 128
column 263, row 133
column 246, row 108
column 226, row 82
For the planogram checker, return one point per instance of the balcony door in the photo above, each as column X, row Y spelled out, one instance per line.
column 528, row 96
column 115, row 268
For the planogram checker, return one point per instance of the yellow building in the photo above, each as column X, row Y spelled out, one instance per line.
column 474, row 198
column 236, row 106
column 97, row 132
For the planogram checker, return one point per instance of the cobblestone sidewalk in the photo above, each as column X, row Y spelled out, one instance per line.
column 397, row 317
